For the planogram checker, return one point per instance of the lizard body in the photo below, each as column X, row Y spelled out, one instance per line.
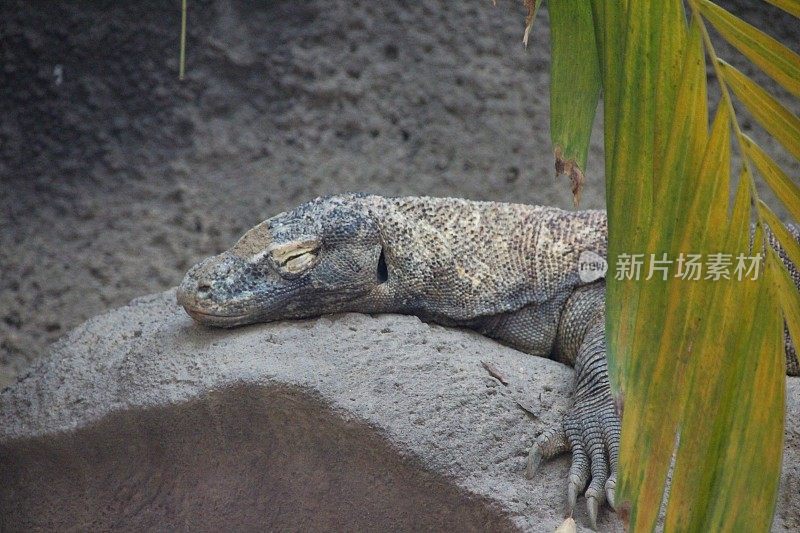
column 509, row 271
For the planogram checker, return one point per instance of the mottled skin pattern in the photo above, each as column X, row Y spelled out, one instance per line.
column 506, row 270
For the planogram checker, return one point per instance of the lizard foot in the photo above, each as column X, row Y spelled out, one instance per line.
column 591, row 430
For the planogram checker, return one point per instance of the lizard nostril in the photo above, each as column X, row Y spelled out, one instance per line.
column 203, row 290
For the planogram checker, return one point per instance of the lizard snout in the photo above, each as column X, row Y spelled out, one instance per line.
column 208, row 291
column 192, row 291
column 195, row 292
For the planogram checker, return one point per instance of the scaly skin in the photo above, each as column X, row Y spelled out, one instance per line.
column 509, row 271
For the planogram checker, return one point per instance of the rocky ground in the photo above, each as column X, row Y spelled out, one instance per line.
column 140, row 419
column 116, row 176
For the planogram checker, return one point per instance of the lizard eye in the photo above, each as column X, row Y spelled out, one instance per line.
column 293, row 258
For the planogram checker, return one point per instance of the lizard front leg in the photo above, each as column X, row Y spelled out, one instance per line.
column 591, row 428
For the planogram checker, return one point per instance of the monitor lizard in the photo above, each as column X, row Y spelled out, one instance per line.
column 509, row 271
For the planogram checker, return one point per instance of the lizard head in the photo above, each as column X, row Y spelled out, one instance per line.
column 324, row 256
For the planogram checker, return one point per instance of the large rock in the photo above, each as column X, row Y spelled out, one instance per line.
column 140, row 419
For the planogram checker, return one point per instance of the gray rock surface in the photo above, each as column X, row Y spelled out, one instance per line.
column 141, row 419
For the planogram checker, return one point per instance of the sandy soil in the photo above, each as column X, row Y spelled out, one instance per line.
column 116, row 177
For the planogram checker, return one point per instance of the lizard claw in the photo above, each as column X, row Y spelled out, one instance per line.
column 592, row 506
column 534, row 460
column 549, row 444
column 572, row 493
column 611, row 490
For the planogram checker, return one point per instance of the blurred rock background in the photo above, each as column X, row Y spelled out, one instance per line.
column 115, row 176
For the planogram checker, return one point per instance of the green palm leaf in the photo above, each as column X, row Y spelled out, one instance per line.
column 679, row 354
column 769, row 55
column 574, row 87
column 774, row 117
column 790, row 6
column 784, row 188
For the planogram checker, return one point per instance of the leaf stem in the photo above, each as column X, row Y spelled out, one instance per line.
column 182, row 60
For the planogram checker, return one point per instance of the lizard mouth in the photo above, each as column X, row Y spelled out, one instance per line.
column 212, row 319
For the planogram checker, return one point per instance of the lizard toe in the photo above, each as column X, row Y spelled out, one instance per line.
column 579, row 470
column 549, row 444
column 599, row 469
column 611, row 489
column 611, row 433
column 595, row 494
column 592, row 506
